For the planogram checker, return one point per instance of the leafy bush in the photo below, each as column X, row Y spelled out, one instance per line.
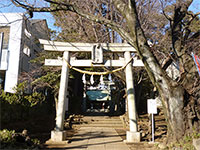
column 20, row 97
column 13, row 140
column 6, row 136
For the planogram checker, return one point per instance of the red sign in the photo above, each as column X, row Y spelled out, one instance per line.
column 197, row 62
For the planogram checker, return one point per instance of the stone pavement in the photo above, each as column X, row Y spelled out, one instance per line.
column 99, row 133
column 92, row 138
column 96, row 138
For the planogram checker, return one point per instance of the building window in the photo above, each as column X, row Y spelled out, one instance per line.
column 6, row 31
column 2, row 79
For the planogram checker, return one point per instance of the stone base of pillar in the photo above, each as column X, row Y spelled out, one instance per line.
column 58, row 136
column 132, row 137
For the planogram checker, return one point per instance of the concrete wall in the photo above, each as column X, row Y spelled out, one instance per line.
column 14, row 21
column 32, row 31
column 23, row 45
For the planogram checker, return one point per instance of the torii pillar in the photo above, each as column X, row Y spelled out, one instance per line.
column 58, row 134
column 132, row 135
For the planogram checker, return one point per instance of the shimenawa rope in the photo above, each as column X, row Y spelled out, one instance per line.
column 96, row 73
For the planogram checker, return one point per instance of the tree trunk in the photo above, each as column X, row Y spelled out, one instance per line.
column 172, row 94
column 173, row 102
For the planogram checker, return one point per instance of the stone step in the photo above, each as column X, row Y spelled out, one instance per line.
column 107, row 121
column 103, row 122
column 106, row 117
column 96, row 119
column 95, row 124
column 105, row 126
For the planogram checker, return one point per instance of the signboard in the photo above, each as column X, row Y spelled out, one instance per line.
column 151, row 106
column 152, row 109
column 97, row 54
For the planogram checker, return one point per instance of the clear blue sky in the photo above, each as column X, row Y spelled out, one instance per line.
column 7, row 6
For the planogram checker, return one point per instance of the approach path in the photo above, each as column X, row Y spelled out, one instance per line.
column 97, row 138
column 98, row 133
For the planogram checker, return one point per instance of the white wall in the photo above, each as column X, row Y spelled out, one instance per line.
column 14, row 20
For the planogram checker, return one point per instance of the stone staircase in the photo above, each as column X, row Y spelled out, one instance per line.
column 101, row 121
column 160, row 127
column 144, row 126
column 115, row 122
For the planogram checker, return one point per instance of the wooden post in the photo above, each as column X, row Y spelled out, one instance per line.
column 132, row 135
column 60, row 114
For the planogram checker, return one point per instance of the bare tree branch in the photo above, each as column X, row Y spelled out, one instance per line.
column 69, row 7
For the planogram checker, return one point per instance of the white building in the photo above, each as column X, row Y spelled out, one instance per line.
column 19, row 45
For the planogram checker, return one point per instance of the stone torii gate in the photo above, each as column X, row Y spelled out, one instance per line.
column 97, row 60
